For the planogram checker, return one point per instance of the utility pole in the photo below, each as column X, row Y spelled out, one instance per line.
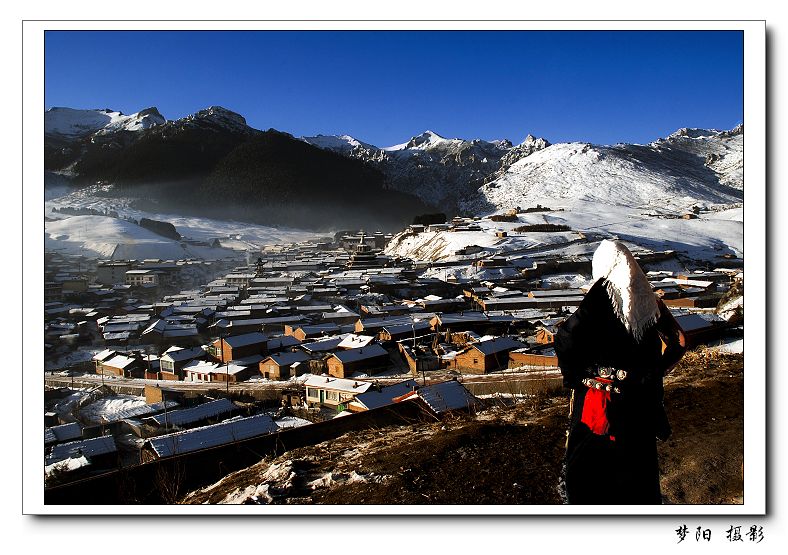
column 415, row 355
column 164, row 402
column 227, row 365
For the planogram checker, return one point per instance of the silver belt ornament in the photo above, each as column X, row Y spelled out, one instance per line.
column 606, row 373
column 610, row 373
column 596, row 384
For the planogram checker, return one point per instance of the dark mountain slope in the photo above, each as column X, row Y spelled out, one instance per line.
column 289, row 181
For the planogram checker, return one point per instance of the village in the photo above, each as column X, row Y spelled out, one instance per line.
column 152, row 360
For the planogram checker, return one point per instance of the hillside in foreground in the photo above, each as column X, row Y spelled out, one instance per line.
column 506, row 455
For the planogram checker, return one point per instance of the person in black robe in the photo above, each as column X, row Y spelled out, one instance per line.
column 613, row 352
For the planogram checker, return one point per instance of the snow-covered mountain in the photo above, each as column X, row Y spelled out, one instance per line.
column 214, row 118
column 722, row 150
column 438, row 170
column 68, row 125
column 687, row 168
column 71, row 123
column 691, row 166
column 338, row 143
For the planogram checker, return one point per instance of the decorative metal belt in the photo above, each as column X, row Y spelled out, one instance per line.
column 608, row 377
column 608, row 372
column 593, row 383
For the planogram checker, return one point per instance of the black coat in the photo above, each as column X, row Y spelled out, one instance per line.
column 619, row 467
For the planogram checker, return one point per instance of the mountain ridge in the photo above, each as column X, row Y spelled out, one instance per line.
column 213, row 163
column 472, row 177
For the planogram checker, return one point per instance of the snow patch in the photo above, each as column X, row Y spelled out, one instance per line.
column 67, row 465
column 70, row 122
column 101, row 410
column 735, row 346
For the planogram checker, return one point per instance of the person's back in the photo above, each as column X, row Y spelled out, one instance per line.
column 613, row 353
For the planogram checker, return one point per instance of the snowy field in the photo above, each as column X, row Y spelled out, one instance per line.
column 106, row 237
column 711, row 234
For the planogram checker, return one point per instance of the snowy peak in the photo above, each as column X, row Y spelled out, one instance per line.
column 721, row 151
column 438, row 170
column 425, row 140
column 429, row 141
column 338, row 143
column 144, row 119
column 691, row 166
column 216, row 117
column 695, row 133
column 503, row 144
column 73, row 123
column 533, row 142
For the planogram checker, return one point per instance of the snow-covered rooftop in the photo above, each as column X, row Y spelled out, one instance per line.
column 446, row 396
column 211, row 436
column 194, row 414
column 361, row 353
column 338, row 384
column 87, row 447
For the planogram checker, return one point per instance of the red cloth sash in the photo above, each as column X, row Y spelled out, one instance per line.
column 595, row 411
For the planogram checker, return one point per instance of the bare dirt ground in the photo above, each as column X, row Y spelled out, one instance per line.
column 506, row 454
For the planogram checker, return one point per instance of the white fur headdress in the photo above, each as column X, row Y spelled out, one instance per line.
column 634, row 301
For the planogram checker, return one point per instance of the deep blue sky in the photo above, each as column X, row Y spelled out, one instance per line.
column 384, row 87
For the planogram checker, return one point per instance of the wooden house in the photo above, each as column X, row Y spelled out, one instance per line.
column 311, row 331
column 699, row 301
column 541, row 358
column 284, row 365
column 163, row 332
column 442, row 398
column 237, row 347
column 545, row 335
column 152, row 367
column 174, row 359
column 699, row 329
column 281, row 343
column 420, row 360
column 379, row 396
column 370, row 360
column 398, row 332
column 234, row 373
column 157, row 394
column 460, row 321
column 339, row 317
column 123, row 366
column 199, row 371
column 101, row 357
column 371, row 326
column 321, row 347
column 333, row 392
column 486, row 356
